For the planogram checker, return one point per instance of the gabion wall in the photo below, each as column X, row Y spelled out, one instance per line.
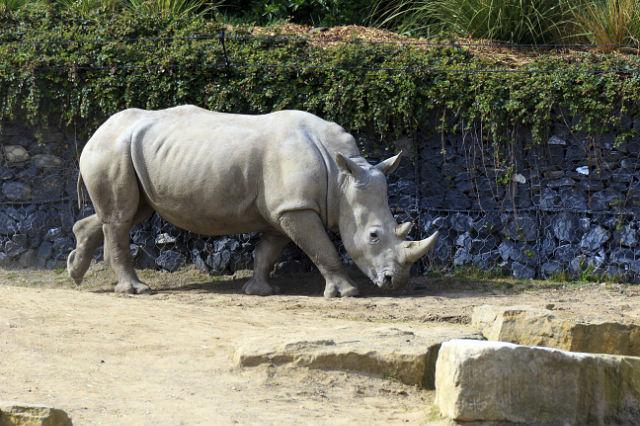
column 570, row 206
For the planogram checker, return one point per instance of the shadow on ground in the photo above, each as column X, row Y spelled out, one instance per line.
column 312, row 284
column 100, row 279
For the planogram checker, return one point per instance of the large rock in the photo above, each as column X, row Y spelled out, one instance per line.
column 20, row 414
column 406, row 355
column 540, row 327
column 479, row 381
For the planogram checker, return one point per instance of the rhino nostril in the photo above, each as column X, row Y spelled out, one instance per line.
column 387, row 279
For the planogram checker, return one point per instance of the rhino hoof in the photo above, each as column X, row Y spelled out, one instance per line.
column 143, row 289
column 346, row 290
column 132, row 288
column 70, row 260
column 350, row 292
column 257, row 288
column 330, row 291
column 125, row 288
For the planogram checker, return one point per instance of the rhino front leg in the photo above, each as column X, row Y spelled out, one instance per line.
column 305, row 228
column 266, row 254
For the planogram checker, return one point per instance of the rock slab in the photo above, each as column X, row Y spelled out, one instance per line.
column 406, row 355
column 540, row 327
column 20, row 414
column 480, row 381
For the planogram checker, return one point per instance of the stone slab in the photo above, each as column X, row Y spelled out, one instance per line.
column 21, row 414
column 480, row 381
column 540, row 327
column 405, row 354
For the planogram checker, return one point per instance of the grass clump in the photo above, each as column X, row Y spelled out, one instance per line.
column 170, row 9
column 517, row 21
column 610, row 24
column 607, row 24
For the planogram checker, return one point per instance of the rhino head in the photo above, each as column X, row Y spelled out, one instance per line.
column 373, row 239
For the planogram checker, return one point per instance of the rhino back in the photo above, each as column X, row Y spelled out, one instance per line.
column 215, row 173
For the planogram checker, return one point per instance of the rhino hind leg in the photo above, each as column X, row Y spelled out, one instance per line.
column 305, row 228
column 265, row 255
column 109, row 176
column 89, row 237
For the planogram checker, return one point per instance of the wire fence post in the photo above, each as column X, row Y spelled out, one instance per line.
column 417, row 169
column 221, row 38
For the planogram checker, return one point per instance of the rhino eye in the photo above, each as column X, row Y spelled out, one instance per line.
column 373, row 235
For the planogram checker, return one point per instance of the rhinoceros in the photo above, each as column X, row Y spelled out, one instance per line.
column 289, row 175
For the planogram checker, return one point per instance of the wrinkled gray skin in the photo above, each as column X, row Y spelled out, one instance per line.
column 288, row 174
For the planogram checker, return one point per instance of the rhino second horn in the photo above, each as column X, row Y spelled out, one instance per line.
column 403, row 230
column 414, row 250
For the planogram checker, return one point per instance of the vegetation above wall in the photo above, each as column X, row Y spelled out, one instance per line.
column 61, row 68
column 610, row 24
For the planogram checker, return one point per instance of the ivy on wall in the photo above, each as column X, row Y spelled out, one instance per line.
column 57, row 69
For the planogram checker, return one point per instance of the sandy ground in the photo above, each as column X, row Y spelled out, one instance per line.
column 168, row 358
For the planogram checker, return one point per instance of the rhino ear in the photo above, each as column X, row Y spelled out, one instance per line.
column 350, row 167
column 403, row 230
column 390, row 164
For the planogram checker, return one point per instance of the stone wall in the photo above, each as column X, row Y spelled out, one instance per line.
column 570, row 206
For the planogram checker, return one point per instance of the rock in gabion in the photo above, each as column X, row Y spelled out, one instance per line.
column 165, row 238
column 16, row 191
column 171, row 260
column 46, row 161
column 8, row 226
column 550, row 268
column 627, row 236
column 464, row 241
column 487, row 225
column 565, row 227
column 461, row 222
column 594, row 238
column 522, row 228
column 521, row 271
column 15, row 154
column 198, row 261
column 462, row 257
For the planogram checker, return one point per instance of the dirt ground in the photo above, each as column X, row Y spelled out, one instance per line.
column 168, row 358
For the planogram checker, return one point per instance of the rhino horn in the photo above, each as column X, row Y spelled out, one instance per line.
column 403, row 230
column 390, row 164
column 414, row 250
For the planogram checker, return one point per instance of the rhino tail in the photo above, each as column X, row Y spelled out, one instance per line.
column 79, row 191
